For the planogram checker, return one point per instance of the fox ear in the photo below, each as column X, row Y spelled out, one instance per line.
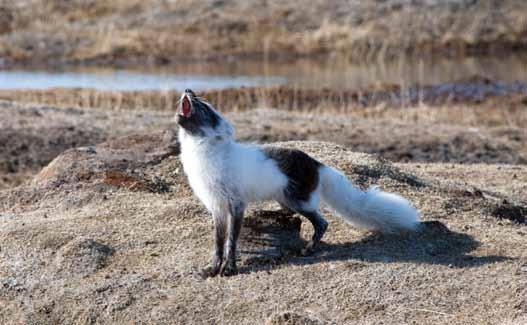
column 186, row 107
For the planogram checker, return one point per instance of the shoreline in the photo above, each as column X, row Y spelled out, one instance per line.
column 476, row 91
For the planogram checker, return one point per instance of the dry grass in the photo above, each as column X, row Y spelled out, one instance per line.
column 158, row 31
column 417, row 104
column 77, row 250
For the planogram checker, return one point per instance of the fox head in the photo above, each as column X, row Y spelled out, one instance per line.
column 199, row 118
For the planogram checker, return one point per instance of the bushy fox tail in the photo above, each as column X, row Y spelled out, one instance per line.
column 372, row 209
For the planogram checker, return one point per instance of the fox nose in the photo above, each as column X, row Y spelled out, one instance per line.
column 189, row 91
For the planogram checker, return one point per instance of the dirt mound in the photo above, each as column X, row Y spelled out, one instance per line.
column 33, row 135
column 23, row 152
column 117, row 162
column 128, row 162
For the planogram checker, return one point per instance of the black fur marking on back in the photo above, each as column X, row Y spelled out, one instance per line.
column 202, row 116
column 301, row 170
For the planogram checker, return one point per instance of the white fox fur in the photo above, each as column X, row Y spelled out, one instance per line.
column 221, row 170
column 371, row 209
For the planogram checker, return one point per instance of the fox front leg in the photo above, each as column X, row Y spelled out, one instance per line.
column 220, row 234
column 234, row 227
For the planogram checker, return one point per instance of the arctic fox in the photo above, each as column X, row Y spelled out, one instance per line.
column 227, row 175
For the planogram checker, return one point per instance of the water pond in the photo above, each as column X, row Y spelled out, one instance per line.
column 302, row 73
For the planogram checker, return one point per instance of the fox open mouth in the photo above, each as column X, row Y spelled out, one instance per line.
column 186, row 107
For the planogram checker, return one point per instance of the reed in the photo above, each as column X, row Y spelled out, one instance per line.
column 507, row 110
column 159, row 31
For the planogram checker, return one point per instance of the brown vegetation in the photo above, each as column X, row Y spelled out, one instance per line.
column 501, row 103
column 42, row 32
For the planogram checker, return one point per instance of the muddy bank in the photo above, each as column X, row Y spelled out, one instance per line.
column 156, row 32
column 79, row 246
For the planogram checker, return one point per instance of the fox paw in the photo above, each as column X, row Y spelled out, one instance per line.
column 309, row 249
column 210, row 271
column 229, row 270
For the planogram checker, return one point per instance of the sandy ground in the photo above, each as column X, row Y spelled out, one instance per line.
column 112, row 233
column 104, row 228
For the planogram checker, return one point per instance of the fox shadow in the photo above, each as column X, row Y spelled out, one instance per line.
column 271, row 239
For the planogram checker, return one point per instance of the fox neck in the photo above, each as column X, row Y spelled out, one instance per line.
column 213, row 142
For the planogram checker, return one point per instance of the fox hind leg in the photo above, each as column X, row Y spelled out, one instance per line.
column 310, row 211
column 320, row 225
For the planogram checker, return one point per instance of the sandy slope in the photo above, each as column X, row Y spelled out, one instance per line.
column 112, row 233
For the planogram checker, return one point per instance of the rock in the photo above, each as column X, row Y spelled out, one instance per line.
column 83, row 256
column 510, row 211
column 293, row 318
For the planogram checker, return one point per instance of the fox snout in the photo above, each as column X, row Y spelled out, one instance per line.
column 186, row 105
